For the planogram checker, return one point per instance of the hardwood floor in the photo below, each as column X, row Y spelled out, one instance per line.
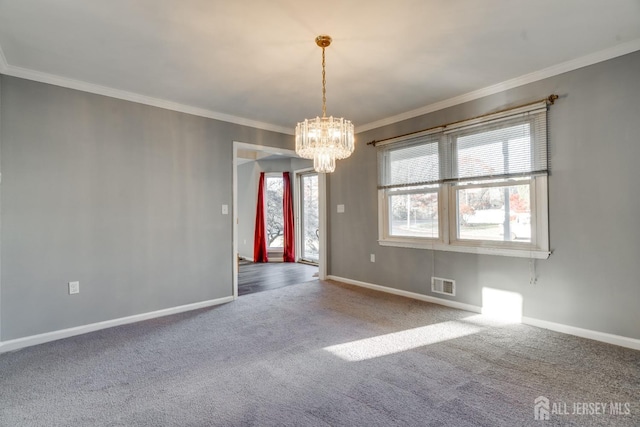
column 258, row 277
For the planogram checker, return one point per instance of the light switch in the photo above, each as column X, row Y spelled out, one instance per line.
column 225, row 209
column 340, row 208
column 74, row 288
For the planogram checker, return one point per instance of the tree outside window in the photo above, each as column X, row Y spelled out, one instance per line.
column 274, row 193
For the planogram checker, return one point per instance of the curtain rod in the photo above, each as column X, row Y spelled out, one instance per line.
column 550, row 100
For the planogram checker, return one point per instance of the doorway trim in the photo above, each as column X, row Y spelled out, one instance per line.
column 322, row 196
column 297, row 174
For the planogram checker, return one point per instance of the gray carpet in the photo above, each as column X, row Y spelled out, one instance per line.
column 318, row 353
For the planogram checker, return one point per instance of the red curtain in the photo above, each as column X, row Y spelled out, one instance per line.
column 287, row 209
column 260, row 239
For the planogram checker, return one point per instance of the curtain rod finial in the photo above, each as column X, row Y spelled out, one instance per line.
column 552, row 98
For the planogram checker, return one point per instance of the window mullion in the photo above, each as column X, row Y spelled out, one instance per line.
column 506, row 229
column 443, row 211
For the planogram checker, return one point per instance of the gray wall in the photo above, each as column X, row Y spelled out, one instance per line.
column 247, row 198
column 248, row 175
column 123, row 197
column 592, row 279
column 126, row 199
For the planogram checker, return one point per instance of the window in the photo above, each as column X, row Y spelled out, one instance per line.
column 413, row 212
column 309, row 217
column 498, row 212
column 476, row 186
column 274, row 214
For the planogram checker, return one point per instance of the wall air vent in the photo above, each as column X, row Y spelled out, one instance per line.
column 443, row 286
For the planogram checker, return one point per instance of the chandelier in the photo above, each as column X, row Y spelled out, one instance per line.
column 324, row 139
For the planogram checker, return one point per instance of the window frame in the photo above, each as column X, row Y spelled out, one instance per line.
column 448, row 239
column 534, row 195
column 267, row 176
column 386, row 228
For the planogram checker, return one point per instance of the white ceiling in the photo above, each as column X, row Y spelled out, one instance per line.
column 255, row 62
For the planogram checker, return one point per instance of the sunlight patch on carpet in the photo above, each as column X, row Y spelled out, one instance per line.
column 397, row 342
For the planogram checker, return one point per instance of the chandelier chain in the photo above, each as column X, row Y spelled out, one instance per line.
column 324, row 87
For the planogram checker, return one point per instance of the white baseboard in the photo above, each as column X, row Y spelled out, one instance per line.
column 246, row 258
column 19, row 343
column 627, row 342
column 421, row 297
column 584, row 333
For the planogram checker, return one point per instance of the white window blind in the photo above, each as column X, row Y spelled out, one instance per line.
column 501, row 147
column 511, row 147
column 410, row 163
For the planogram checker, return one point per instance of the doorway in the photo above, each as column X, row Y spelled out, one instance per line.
column 308, row 218
column 274, row 215
column 241, row 151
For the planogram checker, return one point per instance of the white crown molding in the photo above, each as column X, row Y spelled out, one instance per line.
column 574, row 64
column 52, row 79
column 584, row 61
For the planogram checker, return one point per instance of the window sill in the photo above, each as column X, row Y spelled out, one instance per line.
column 480, row 250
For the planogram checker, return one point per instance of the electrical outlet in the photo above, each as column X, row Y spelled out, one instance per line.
column 373, row 257
column 74, row 288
